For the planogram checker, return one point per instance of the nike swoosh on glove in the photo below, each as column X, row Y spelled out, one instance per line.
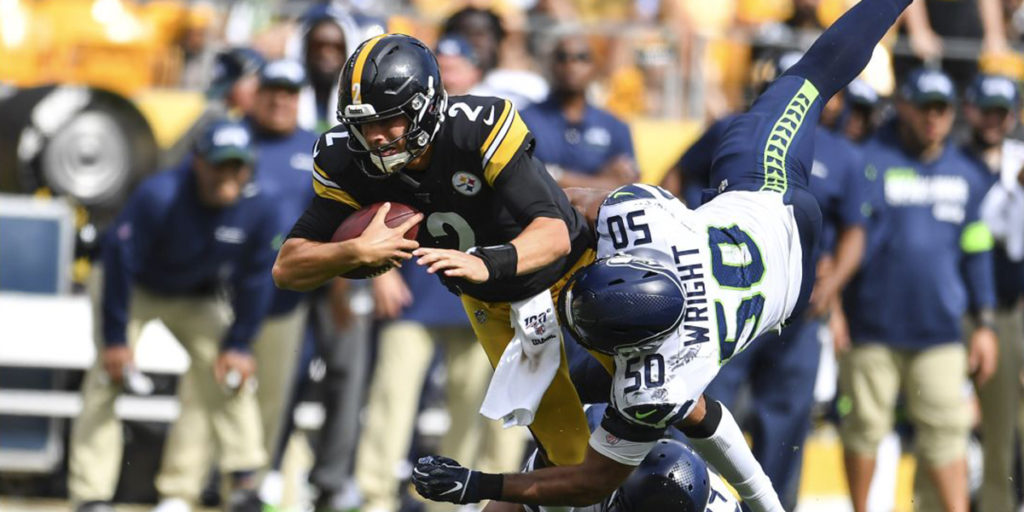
column 442, row 479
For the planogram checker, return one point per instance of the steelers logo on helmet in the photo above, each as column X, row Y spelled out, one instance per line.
column 622, row 303
column 388, row 76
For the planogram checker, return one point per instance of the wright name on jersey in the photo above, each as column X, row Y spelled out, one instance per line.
column 739, row 260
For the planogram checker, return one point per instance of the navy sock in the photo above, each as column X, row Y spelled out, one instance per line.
column 842, row 51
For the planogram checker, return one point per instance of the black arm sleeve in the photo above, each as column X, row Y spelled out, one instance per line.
column 320, row 220
column 528, row 191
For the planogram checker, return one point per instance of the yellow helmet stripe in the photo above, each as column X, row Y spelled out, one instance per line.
column 357, row 72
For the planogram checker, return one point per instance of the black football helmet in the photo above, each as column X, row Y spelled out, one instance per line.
column 622, row 302
column 391, row 75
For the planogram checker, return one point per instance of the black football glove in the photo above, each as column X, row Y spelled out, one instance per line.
column 442, row 479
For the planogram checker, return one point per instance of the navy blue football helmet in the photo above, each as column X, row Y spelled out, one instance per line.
column 671, row 477
column 620, row 302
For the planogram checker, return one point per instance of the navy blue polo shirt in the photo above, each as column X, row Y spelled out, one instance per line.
column 167, row 242
column 839, row 185
column 285, row 163
column 583, row 147
column 929, row 253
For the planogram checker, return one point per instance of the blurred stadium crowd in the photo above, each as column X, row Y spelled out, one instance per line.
column 917, row 321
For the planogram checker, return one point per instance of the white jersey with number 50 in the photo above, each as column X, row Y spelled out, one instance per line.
column 739, row 261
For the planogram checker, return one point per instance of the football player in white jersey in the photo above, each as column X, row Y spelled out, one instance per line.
column 677, row 292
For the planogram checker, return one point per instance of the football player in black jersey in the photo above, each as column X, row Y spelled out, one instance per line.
column 497, row 227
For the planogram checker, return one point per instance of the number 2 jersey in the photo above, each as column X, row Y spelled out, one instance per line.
column 482, row 187
column 738, row 258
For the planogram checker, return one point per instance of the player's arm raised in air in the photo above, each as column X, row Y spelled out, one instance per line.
column 526, row 189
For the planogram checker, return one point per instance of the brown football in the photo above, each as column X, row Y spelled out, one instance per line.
column 356, row 223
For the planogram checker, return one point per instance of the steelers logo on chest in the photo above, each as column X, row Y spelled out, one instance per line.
column 466, row 183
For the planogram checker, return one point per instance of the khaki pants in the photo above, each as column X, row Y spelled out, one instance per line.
column 186, row 454
column 96, row 437
column 932, row 380
column 403, row 357
column 999, row 399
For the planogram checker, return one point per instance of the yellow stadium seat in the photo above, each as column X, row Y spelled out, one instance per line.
column 626, row 92
column 710, row 18
column 756, row 12
column 166, row 18
column 656, row 152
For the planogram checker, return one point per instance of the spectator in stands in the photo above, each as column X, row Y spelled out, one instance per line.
column 928, row 262
column 991, row 111
column 327, row 37
column 284, row 164
column 185, row 236
column 929, row 22
column 796, row 32
column 235, row 80
column 484, row 31
column 582, row 145
column 194, row 42
column 459, row 65
column 860, row 119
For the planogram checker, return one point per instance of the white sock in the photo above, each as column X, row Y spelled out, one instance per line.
column 727, row 451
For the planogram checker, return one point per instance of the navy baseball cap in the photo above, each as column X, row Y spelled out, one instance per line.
column 928, row 86
column 231, row 65
column 285, row 73
column 993, row 91
column 225, row 140
column 456, row 46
